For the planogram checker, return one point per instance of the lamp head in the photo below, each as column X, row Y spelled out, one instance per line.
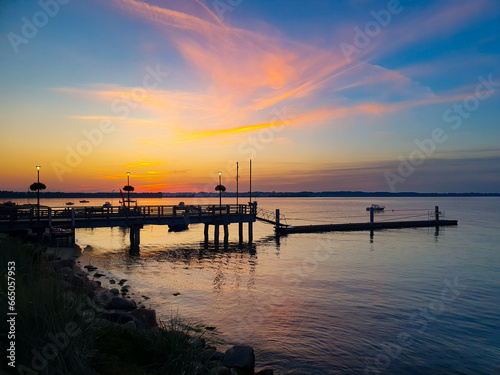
column 37, row 167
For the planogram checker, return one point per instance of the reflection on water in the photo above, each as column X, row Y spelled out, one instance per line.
column 328, row 303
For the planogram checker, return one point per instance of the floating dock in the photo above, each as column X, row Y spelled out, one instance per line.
column 283, row 230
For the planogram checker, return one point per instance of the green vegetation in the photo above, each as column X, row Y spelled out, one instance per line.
column 56, row 332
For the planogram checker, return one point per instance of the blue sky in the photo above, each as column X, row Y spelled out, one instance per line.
column 322, row 95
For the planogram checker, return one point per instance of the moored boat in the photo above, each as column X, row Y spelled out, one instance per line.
column 375, row 207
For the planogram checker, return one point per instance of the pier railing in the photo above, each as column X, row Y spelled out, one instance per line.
column 20, row 213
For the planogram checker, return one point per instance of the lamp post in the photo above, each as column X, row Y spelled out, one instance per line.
column 112, row 201
column 220, row 194
column 38, row 192
column 128, row 191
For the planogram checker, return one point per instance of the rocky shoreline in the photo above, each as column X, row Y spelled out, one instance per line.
column 111, row 308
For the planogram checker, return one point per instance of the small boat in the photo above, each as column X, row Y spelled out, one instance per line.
column 69, row 203
column 84, row 201
column 107, row 204
column 375, row 207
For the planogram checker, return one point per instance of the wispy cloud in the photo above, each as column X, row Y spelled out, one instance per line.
column 243, row 74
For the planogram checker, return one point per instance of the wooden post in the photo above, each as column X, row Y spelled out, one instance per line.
column 73, row 217
column 277, row 227
column 371, row 215
column 50, row 217
column 250, row 232
column 226, row 234
column 240, row 232
column 216, row 235
column 135, row 236
column 436, row 211
column 205, row 232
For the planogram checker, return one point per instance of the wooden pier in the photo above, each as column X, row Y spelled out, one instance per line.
column 363, row 226
column 434, row 220
column 63, row 219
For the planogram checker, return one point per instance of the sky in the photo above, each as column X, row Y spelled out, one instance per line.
column 320, row 95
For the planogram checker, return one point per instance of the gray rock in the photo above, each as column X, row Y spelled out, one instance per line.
column 93, row 285
column 131, row 326
column 241, row 357
column 103, row 299
column 214, row 355
column 77, row 281
column 145, row 317
column 196, row 342
column 118, row 303
column 115, row 291
column 65, row 270
column 67, row 263
column 116, row 316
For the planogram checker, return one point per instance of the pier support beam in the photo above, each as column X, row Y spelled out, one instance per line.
column 240, row 232
column 436, row 212
column 250, row 232
column 226, row 235
column 277, row 221
column 216, row 236
column 205, row 233
column 135, row 236
column 371, row 215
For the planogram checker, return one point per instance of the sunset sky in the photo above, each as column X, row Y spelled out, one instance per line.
column 321, row 95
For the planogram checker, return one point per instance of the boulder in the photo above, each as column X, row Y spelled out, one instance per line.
column 214, row 355
column 115, row 291
column 145, row 317
column 103, row 299
column 131, row 326
column 64, row 270
column 67, row 263
column 118, row 303
column 93, row 285
column 77, row 281
column 116, row 316
column 241, row 357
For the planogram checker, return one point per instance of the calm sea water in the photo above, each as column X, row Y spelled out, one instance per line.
column 407, row 301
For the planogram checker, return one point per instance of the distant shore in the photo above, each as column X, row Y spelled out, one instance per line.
column 256, row 194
